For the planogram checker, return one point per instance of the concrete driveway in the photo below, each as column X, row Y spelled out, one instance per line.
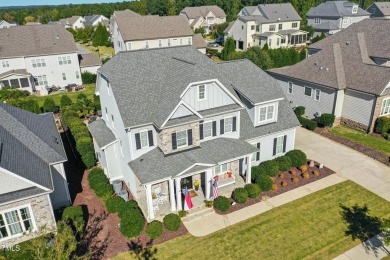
column 347, row 162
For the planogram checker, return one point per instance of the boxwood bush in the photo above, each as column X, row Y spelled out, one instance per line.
column 172, row 222
column 99, row 183
column 299, row 111
column 307, row 123
column 382, row 126
column 253, row 190
column 264, row 182
column 284, row 163
column 73, row 215
column 132, row 223
column 297, row 157
column 327, row 119
column 115, row 204
column 154, row 229
column 256, row 171
column 222, row 203
column 271, row 167
column 240, row 195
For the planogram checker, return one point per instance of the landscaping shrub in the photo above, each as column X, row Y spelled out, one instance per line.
column 208, row 203
column 256, row 171
column 327, row 119
column 307, row 123
column 114, row 204
column 253, row 190
column 303, row 168
column 49, row 105
column 316, row 173
column 172, row 222
column 222, row 203
column 240, row 195
column 297, row 157
column 89, row 159
column 73, row 215
column 299, row 111
column 132, row 224
column 182, row 213
column 65, row 101
column 284, row 163
column 264, row 182
column 99, row 183
column 293, row 172
column 284, row 184
column 271, row 167
column 295, row 179
column 88, row 77
column 382, row 126
column 130, row 205
column 154, row 229
column 275, row 187
column 306, row 175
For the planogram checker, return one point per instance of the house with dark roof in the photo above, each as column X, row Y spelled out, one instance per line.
column 379, row 10
column 276, row 25
column 34, row 57
column 5, row 25
column 204, row 16
column 332, row 16
column 346, row 74
column 94, row 19
column 184, row 118
column 33, row 181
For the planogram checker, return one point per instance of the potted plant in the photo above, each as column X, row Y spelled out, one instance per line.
column 229, row 174
column 196, row 184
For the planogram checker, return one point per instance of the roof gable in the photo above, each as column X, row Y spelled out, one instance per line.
column 335, row 9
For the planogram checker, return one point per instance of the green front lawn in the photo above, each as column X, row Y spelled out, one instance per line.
column 310, row 227
column 89, row 90
column 362, row 138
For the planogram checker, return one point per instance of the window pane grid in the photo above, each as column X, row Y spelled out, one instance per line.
column 228, row 124
column 207, row 129
column 181, row 138
column 144, row 139
column 385, row 107
column 279, row 145
column 201, row 92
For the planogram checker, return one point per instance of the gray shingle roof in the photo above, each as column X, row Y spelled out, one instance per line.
column 197, row 11
column 31, row 139
column 89, row 59
column 153, row 27
column 90, row 19
column 35, row 40
column 10, row 72
column 335, row 9
column 383, row 7
column 154, row 165
column 20, row 194
column 198, row 41
column 270, row 13
column 346, row 55
column 326, row 26
column 125, row 13
column 101, row 133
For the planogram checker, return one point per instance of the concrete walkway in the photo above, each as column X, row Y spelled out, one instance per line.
column 347, row 162
column 212, row 222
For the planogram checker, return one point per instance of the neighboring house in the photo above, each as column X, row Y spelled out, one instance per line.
column 204, row 16
column 332, row 16
column 346, row 74
column 183, row 117
column 120, row 14
column 89, row 62
column 151, row 31
column 5, row 25
column 274, row 24
column 33, row 182
column 74, row 22
column 199, row 43
column 36, row 56
column 378, row 9
column 94, row 20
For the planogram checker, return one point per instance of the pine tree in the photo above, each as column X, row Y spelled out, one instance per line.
column 228, row 49
column 100, row 36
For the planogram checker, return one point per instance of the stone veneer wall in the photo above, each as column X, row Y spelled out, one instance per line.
column 377, row 112
column 41, row 210
column 353, row 124
column 165, row 138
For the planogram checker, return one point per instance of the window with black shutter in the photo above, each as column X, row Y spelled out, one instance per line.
column 150, row 137
column 222, row 126
column 174, row 143
column 189, row 135
column 284, row 143
column 201, row 131
column 274, row 149
column 234, row 124
column 137, row 141
column 258, row 153
column 214, row 128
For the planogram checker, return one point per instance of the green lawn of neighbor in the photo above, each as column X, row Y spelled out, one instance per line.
column 89, row 90
column 103, row 50
column 362, row 138
column 308, row 228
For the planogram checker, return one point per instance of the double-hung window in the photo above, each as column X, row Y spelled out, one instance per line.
column 64, row 60
column 189, row 41
column 317, row 20
column 280, row 26
column 266, row 113
column 41, row 80
column 146, row 45
column 272, row 27
column 252, row 27
column 207, row 129
column 290, row 87
column 181, row 138
column 279, row 144
column 221, row 169
column 38, row 63
column 77, row 75
column 228, row 126
column 181, row 41
column 144, row 139
column 385, row 107
column 308, row 91
column 354, row 9
column 63, row 76
column 294, row 25
column 15, row 222
column 129, row 46
column 201, row 92
column 5, row 64
column 256, row 156
column 317, row 94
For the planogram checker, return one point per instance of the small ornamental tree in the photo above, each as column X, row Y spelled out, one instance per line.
column 101, row 36
column 327, row 119
column 240, row 195
column 49, row 105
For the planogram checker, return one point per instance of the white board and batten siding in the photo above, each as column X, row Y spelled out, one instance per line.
column 60, row 196
column 214, row 97
column 358, row 106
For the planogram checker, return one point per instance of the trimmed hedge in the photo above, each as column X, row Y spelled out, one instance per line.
column 115, row 204
column 132, row 223
column 222, row 203
column 327, row 119
column 307, row 123
column 99, row 183
column 253, row 190
column 297, row 157
column 88, row 77
column 172, row 222
column 264, row 182
column 270, row 167
column 299, row 111
column 240, row 195
column 256, row 171
column 154, row 229
column 284, row 163
column 382, row 126
column 74, row 215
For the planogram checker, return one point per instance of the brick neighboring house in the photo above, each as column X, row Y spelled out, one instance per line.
column 346, row 74
column 33, row 181
column 204, row 16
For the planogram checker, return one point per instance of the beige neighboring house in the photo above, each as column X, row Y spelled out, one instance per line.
column 120, row 14
column 274, row 24
column 379, row 10
column 5, row 25
column 199, row 43
column 89, row 62
column 204, row 16
column 74, row 22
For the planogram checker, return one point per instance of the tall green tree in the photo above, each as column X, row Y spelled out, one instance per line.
column 228, row 49
column 101, row 36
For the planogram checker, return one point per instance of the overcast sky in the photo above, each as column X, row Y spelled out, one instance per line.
column 51, row 2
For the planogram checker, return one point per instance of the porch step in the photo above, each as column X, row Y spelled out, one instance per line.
column 197, row 213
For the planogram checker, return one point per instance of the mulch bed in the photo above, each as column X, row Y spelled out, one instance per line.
column 370, row 152
column 103, row 239
column 324, row 172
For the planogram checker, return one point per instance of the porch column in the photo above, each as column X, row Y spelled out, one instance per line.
column 178, row 194
column 149, row 201
column 172, row 195
column 249, row 169
column 208, row 182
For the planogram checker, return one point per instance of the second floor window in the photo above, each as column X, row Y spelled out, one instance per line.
column 266, row 113
column 252, row 27
column 146, row 45
column 181, row 41
column 144, row 139
column 77, row 75
column 290, row 87
column 189, row 41
column 294, row 25
column 385, row 107
column 207, row 129
column 129, row 46
column 272, row 27
column 317, row 20
column 64, row 60
column 38, row 63
column 181, row 139
column 317, row 94
column 354, row 9
column 63, row 76
column 257, row 28
column 228, row 126
column 201, row 92
column 280, row 26
column 5, row 64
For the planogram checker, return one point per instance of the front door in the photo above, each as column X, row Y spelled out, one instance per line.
column 186, row 182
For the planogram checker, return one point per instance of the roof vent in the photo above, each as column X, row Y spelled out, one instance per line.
column 315, row 63
column 327, row 69
column 347, row 43
column 321, row 68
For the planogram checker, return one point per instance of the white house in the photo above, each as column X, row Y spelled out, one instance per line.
column 274, row 24
column 75, row 22
column 204, row 16
column 5, row 25
column 94, row 20
column 33, row 181
column 36, row 56
column 332, row 16
column 171, row 116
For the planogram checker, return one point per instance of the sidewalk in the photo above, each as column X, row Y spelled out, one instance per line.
column 213, row 222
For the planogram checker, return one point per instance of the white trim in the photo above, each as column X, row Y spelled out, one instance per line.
column 104, row 147
column 147, row 137
column 157, row 182
column 192, row 166
column 382, row 106
column 266, row 120
column 276, row 148
column 224, row 124
column 182, row 102
column 208, row 122
column 26, row 180
column 235, row 159
column 66, row 184
column 282, row 131
column 268, row 101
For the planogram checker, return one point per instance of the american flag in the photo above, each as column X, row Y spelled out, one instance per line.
column 215, row 187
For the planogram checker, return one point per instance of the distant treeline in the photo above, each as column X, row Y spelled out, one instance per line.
column 44, row 14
